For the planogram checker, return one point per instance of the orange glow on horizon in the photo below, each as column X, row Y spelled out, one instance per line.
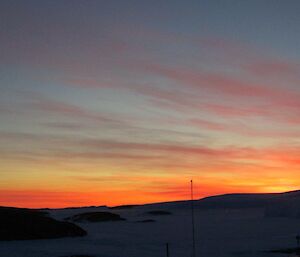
column 61, row 199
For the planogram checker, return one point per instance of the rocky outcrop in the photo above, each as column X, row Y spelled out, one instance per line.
column 95, row 217
column 26, row 224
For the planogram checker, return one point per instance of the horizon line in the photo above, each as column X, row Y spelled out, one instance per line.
column 144, row 204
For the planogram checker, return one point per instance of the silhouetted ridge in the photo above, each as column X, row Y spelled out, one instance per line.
column 235, row 201
column 25, row 224
column 121, row 207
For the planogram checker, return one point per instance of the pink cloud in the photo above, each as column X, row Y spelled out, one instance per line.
column 183, row 101
column 89, row 83
column 40, row 103
column 245, row 57
column 241, row 129
column 273, row 67
column 216, row 82
column 208, row 124
column 63, row 125
column 228, row 86
column 157, row 154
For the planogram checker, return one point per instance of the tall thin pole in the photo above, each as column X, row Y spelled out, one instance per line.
column 167, row 248
column 193, row 221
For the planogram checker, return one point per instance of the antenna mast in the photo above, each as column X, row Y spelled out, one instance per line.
column 193, row 221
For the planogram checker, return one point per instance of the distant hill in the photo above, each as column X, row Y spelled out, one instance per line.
column 230, row 201
column 285, row 204
column 270, row 201
column 25, row 224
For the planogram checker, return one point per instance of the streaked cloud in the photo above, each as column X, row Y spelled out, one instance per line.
column 128, row 109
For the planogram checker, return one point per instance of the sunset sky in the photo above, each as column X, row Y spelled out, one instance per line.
column 123, row 102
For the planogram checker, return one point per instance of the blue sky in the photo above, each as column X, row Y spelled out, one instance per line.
column 144, row 95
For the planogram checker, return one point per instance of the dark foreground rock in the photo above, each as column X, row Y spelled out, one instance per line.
column 26, row 224
column 95, row 217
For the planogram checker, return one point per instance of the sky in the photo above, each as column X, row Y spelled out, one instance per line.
column 124, row 102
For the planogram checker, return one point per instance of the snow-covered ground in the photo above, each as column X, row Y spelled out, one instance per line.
column 219, row 232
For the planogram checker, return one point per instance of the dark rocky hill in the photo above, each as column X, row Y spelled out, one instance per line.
column 25, row 224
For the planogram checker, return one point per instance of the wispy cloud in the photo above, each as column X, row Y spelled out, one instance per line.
column 44, row 104
column 91, row 150
column 140, row 109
